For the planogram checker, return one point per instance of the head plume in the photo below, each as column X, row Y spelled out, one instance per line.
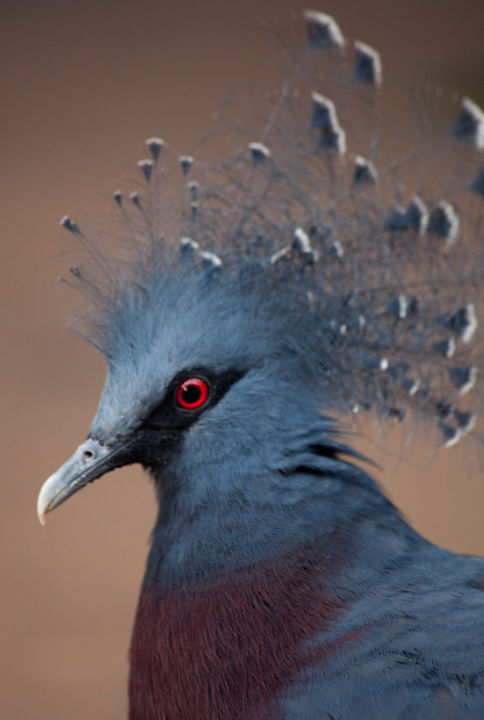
column 332, row 246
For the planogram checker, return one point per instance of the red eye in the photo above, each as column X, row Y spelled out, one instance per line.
column 192, row 393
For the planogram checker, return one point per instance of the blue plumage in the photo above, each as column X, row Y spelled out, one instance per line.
column 313, row 276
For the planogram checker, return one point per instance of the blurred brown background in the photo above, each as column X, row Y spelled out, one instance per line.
column 83, row 83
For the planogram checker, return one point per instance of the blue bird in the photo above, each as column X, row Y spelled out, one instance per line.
column 318, row 273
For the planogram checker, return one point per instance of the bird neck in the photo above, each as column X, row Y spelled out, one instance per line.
column 262, row 517
column 234, row 597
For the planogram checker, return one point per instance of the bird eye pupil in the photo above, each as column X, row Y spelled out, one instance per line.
column 191, row 394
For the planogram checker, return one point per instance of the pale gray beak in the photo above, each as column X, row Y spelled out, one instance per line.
column 90, row 460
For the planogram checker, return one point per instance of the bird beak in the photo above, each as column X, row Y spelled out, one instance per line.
column 91, row 460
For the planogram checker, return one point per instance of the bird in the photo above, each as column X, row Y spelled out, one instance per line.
column 258, row 307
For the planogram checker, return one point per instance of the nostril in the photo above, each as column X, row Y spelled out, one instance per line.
column 87, row 455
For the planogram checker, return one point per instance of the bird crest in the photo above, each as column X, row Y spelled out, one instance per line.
column 364, row 257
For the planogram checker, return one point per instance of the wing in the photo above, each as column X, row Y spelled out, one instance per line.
column 410, row 647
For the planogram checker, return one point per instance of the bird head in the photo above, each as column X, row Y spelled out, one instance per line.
column 299, row 284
